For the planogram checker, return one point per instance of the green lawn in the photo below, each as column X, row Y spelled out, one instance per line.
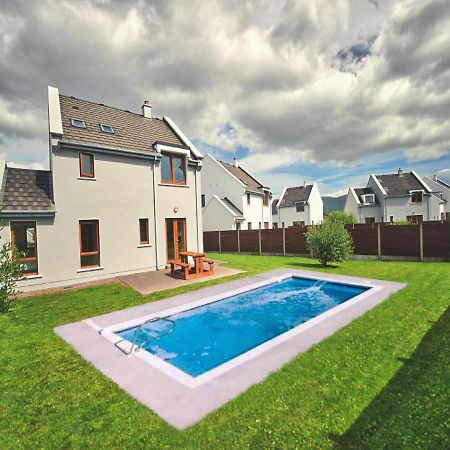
column 381, row 382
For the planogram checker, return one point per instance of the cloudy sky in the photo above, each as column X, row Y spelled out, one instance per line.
column 315, row 90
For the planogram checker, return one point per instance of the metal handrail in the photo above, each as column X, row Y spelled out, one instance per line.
column 139, row 329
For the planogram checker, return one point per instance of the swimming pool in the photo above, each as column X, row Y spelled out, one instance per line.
column 253, row 326
column 202, row 338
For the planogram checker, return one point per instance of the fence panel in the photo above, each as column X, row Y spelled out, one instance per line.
column 436, row 239
column 296, row 240
column 365, row 239
column 229, row 241
column 249, row 241
column 211, row 241
column 400, row 240
column 272, row 241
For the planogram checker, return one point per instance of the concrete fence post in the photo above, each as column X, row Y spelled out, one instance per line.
column 379, row 239
column 284, row 241
column 220, row 243
column 421, row 240
column 239, row 240
column 259, row 236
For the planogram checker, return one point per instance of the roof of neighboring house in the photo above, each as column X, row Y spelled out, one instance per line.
column 233, row 207
column 27, row 190
column 251, row 184
column 364, row 191
column 296, row 194
column 132, row 131
column 441, row 183
column 395, row 184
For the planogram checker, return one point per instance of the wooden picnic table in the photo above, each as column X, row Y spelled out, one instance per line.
column 188, row 272
column 198, row 260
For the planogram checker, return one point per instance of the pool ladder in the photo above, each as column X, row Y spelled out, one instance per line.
column 139, row 329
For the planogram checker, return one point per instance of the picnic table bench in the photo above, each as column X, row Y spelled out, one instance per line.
column 187, row 271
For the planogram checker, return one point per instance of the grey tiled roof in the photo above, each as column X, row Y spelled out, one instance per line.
column 27, row 190
column 233, row 207
column 399, row 185
column 250, row 183
column 362, row 191
column 132, row 131
column 294, row 195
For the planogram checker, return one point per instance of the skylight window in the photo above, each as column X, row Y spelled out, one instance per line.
column 107, row 128
column 78, row 123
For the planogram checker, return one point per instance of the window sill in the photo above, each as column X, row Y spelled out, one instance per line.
column 144, row 245
column 174, row 185
column 87, row 178
column 30, row 277
column 90, row 269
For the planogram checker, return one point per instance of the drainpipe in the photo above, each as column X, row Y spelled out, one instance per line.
column 196, row 210
column 155, row 217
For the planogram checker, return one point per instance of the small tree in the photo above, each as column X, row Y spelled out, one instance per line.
column 341, row 217
column 11, row 269
column 329, row 242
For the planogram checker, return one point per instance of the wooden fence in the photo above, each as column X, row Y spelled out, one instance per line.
column 424, row 241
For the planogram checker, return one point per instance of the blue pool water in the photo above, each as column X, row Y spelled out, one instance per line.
column 208, row 336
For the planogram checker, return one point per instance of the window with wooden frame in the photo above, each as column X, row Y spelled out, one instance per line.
column 24, row 245
column 89, row 244
column 203, row 200
column 143, row 232
column 173, row 168
column 87, row 165
column 300, row 207
column 248, row 198
column 249, row 226
column 417, row 197
column 266, row 199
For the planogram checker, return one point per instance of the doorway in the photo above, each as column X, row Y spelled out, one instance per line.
column 175, row 237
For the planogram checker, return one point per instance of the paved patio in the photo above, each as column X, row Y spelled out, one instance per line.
column 154, row 281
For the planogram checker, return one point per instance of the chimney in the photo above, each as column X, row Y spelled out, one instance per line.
column 235, row 163
column 400, row 172
column 435, row 177
column 147, row 109
column 304, row 183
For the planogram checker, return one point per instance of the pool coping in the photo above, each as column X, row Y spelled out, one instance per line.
column 177, row 397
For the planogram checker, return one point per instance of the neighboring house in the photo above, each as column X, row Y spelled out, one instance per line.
column 300, row 205
column 232, row 198
column 393, row 198
column 442, row 190
column 122, row 195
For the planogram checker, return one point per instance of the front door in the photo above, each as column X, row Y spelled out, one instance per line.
column 175, row 237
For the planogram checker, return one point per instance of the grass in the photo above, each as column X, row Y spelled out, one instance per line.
column 381, row 382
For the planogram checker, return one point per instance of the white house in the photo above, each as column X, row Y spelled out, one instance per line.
column 299, row 205
column 123, row 195
column 442, row 190
column 232, row 198
column 403, row 196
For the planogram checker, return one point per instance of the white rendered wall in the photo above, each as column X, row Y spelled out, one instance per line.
column 216, row 217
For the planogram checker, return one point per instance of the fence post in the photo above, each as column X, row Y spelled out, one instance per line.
column 379, row 239
column 220, row 243
column 259, row 236
column 239, row 240
column 284, row 241
column 421, row 239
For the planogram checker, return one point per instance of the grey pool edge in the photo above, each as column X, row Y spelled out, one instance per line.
column 181, row 405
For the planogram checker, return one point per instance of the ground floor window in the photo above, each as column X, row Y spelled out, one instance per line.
column 370, row 220
column 275, row 225
column 24, row 243
column 143, row 231
column 238, row 225
column 249, row 226
column 299, row 223
column 89, row 244
column 266, row 225
column 415, row 218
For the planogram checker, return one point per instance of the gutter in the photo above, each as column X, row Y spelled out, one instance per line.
column 154, row 219
column 34, row 213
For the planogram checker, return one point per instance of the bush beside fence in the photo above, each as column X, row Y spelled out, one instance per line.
column 428, row 240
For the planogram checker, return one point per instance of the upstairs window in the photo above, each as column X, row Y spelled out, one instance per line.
column 417, row 197
column 87, row 165
column 266, row 199
column 143, row 231
column 203, row 200
column 24, row 243
column 107, row 128
column 300, row 207
column 78, row 123
column 173, row 168
column 368, row 198
column 248, row 199
column 89, row 244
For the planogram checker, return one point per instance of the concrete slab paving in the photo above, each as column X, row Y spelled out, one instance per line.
column 182, row 404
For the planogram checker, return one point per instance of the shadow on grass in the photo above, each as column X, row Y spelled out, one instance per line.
column 411, row 410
